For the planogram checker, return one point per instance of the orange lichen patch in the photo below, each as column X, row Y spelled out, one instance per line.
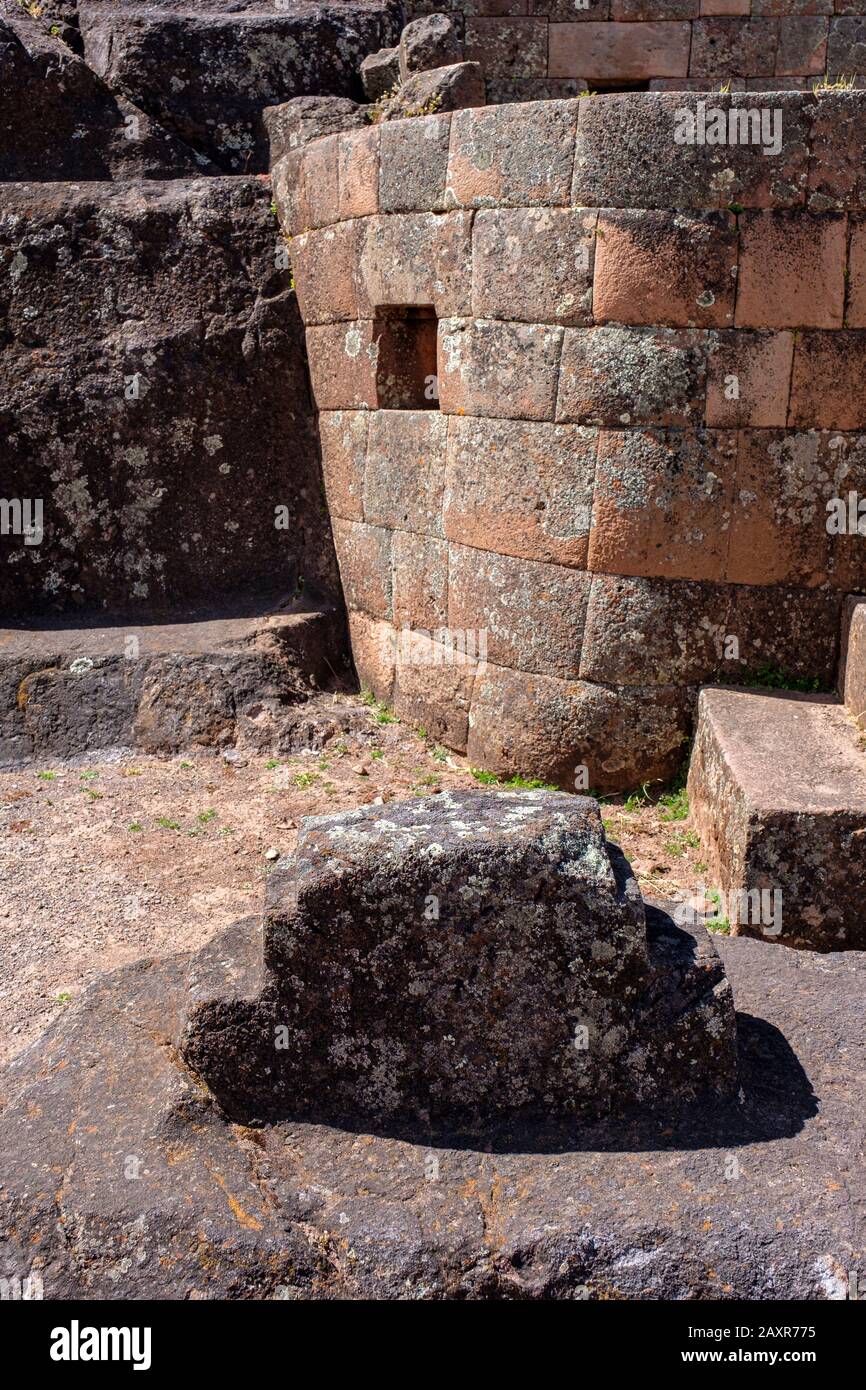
column 242, row 1217
column 24, row 688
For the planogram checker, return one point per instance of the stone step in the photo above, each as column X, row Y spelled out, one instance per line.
column 244, row 676
column 852, row 664
column 777, row 787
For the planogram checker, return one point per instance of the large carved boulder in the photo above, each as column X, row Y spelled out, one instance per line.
column 459, row 960
column 61, row 121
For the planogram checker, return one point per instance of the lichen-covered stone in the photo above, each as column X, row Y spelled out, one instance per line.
column 432, row 41
column 452, row 88
column 486, row 956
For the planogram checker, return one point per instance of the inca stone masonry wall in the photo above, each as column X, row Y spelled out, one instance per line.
column 533, row 49
column 650, row 357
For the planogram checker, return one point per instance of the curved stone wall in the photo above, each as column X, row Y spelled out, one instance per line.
column 650, row 356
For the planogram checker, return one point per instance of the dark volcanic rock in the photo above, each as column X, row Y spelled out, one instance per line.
column 295, row 123
column 460, row 959
column 154, row 396
column 440, row 89
column 380, row 73
column 119, row 1178
column 60, row 121
column 432, row 41
column 240, row 677
column 208, row 71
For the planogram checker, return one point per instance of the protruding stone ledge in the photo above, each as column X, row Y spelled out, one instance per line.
column 459, row 961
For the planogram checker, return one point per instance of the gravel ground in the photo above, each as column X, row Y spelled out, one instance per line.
column 123, row 856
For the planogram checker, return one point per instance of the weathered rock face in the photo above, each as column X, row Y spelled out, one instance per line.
column 119, row 1175
column 460, row 960
column 380, row 73
column 433, row 41
column 585, row 395
column 209, row 73
column 452, row 88
column 61, row 121
column 295, row 123
column 154, row 399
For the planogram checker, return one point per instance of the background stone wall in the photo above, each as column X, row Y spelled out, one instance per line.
column 650, row 357
column 535, row 49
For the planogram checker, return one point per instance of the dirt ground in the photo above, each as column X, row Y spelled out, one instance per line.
column 108, row 860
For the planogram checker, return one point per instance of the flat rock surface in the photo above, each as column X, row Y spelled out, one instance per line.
column 790, row 752
column 119, row 1176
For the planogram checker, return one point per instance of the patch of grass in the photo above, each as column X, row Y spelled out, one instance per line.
column 135, row 828
column 487, row 779
column 94, row 796
column 305, row 779
column 132, row 771
column 440, row 754
column 636, row 800
column 841, row 84
column 674, row 848
column 46, row 776
column 674, row 804
column 186, row 766
column 530, row 784
column 384, row 715
column 377, row 753
column 204, row 817
column 87, row 776
column 769, row 677
column 165, row 824
column 272, row 763
column 367, row 697
column 64, row 998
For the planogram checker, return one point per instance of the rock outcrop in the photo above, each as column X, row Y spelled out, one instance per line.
column 155, row 399
column 462, row 960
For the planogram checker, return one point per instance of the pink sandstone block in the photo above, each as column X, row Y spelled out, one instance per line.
column 665, row 268
column 621, row 52
column 791, row 270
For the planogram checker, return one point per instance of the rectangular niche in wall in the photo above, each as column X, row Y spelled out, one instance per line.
column 406, row 366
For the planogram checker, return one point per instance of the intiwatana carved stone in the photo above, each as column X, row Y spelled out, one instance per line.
column 459, row 960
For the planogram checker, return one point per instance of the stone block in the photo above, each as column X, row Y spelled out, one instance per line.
column 420, row 581
column 405, row 474
column 619, row 52
column 662, row 504
column 632, row 376
column 827, row 382
column 432, row 41
column 748, row 379
column 777, row 788
column 498, row 966
column 455, row 88
column 499, row 157
column 533, row 613
column 852, row 664
column 511, row 46
column 837, row 179
column 358, row 172
column 723, row 48
column 855, row 313
column 500, row 369
column 380, row 73
column 414, row 168
column 779, row 532
column 665, row 268
column 374, row 652
column 574, row 734
column 364, row 557
column 343, row 435
column 697, row 150
column 434, row 686
column 343, row 359
column 802, row 47
column 325, row 268
column 533, row 264
column 791, row 270
column 520, row 488
column 418, row 259
column 643, row 632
